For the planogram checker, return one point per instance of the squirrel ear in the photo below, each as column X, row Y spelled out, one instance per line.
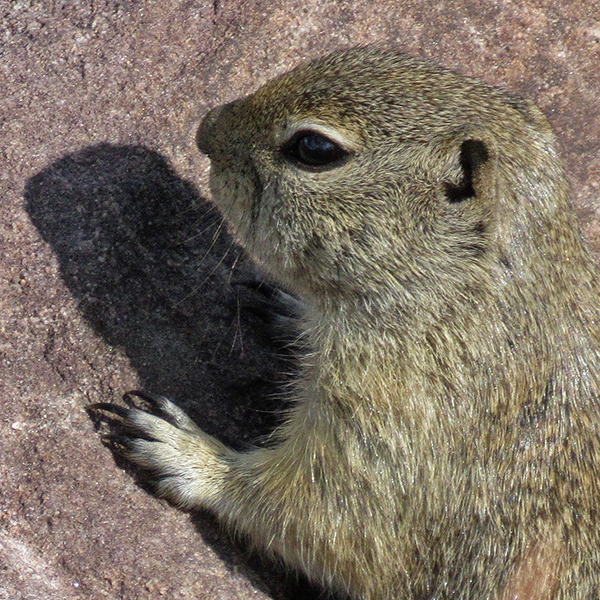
column 477, row 159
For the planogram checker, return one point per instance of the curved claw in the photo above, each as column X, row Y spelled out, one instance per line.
column 163, row 407
column 121, row 444
column 128, row 423
column 152, row 399
column 107, row 407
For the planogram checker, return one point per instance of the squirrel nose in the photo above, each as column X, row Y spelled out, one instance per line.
column 205, row 133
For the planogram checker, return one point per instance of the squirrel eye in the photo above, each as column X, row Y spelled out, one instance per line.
column 315, row 151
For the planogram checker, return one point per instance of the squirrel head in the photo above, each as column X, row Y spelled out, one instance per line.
column 366, row 171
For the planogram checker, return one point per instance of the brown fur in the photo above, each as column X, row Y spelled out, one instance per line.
column 444, row 441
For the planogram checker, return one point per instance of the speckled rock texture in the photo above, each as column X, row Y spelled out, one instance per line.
column 115, row 274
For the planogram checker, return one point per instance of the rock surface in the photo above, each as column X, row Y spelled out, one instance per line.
column 114, row 274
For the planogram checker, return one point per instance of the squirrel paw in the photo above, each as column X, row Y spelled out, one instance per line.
column 185, row 464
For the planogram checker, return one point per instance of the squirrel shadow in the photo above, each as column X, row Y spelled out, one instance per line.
column 147, row 262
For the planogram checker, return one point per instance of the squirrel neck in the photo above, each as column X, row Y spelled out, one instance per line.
column 371, row 354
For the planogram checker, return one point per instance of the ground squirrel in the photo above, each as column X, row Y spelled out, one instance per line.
column 444, row 439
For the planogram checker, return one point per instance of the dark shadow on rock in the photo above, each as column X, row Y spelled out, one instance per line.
column 146, row 260
column 144, row 257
